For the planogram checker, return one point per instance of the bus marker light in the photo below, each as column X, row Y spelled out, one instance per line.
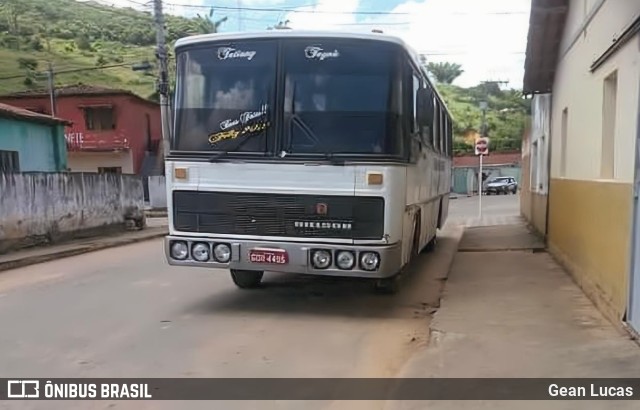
column 180, row 173
column 374, row 178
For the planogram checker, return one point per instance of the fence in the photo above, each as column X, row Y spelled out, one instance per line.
column 47, row 207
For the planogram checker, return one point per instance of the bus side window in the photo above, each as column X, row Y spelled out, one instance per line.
column 436, row 126
column 415, row 123
column 449, row 137
column 424, row 113
column 443, row 131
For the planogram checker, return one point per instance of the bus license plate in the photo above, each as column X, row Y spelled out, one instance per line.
column 270, row 256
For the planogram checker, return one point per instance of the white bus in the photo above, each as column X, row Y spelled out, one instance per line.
column 305, row 152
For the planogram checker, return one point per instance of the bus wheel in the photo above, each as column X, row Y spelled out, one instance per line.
column 431, row 245
column 388, row 286
column 246, row 279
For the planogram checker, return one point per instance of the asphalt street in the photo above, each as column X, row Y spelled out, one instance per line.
column 123, row 312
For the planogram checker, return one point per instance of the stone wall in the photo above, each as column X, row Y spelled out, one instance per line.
column 157, row 192
column 37, row 208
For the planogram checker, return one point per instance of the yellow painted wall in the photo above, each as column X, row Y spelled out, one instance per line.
column 589, row 233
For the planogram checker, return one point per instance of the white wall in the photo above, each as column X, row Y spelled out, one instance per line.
column 157, row 192
column 40, row 207
column 581, row 91
column 91, row 161
column 540, row 132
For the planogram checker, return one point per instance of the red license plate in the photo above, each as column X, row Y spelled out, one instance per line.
column 269, row 256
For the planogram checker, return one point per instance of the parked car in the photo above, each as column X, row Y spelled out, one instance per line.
column 501, row 185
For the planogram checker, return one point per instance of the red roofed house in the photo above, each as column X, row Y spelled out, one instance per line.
column 111, row 131
column 496, row 164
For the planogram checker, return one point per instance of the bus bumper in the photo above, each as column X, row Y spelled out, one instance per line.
column 299, row 256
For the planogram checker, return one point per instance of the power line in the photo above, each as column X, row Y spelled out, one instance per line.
column 293, row 10
column 299, row 9
column 76, row 70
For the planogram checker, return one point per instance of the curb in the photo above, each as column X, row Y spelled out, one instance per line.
column 81, row 249
column 534, row 249
column 159, row 214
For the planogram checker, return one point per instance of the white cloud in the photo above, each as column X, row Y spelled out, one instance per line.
column 327, row 14
column 488, row 43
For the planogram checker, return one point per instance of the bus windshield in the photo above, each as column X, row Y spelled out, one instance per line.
column 338, row 96
column 225, row 94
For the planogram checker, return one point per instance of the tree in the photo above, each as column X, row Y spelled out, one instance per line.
column 445, row 72
column 206, row 25
column 282, row 25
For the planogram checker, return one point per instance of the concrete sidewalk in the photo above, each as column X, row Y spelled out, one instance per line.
column 516, row 313
column 47, row 253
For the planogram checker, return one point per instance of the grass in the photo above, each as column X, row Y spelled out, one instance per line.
column 65, row 57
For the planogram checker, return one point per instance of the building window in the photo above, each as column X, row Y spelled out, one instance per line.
column 9, row 162
column 563, row 142
column 99, row 118
column 110, row 170
column 609, row 108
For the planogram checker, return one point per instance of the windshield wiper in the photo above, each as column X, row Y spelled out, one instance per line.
column 221, row 154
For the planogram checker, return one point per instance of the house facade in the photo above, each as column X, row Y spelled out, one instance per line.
column 113, row 131
column 583, row 68
column 31, row 142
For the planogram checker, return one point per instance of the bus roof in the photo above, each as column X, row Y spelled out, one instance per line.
column 205, row 38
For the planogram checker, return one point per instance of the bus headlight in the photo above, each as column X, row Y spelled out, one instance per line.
column 200, row 252
column 369, row 261
column 321, row 259
column 345, row 260
column 222, row 252
column 179, row 250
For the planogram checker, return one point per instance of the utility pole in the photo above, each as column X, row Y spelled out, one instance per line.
column 163, row 82
column 483, row 107
column 52, row 90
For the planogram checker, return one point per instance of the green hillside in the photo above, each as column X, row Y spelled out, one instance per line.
column 506, row 115
column 74, row 36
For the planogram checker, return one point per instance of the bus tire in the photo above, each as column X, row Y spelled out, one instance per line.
column 388, row 286
column 431, row 245
column 246, row 279
column 415, row 248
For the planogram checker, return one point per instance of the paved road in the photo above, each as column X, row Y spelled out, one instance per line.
column 123, row 312
column 496, row 210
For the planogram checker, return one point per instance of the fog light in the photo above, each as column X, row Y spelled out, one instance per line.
column 321, row 259
column 369, row 261
column 222, row 252
column 345, row 260
column 200, row 252
column 179, row 250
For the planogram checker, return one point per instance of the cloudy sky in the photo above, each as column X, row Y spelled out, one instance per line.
column 487, row 37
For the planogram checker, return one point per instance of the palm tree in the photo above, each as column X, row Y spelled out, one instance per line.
column 206, row 25
column 282, row 25
column 445, row 72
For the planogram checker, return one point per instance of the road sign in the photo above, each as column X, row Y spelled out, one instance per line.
column 482, row 146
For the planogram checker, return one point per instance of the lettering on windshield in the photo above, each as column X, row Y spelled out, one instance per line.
column 248, row 122
column 233, row 134
column 225, row 53
column 244, row 118
column 318, row 53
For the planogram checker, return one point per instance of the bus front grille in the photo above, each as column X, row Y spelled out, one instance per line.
column 312, row 216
